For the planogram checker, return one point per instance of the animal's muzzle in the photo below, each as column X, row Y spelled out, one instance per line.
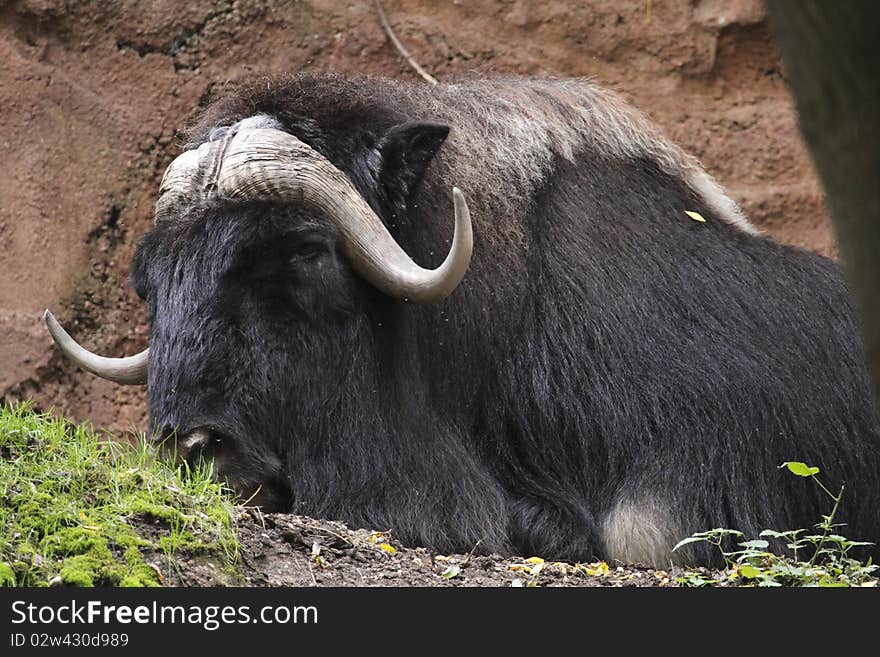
column 198, row 443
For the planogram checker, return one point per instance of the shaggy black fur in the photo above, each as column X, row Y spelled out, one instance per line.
column 604, row 349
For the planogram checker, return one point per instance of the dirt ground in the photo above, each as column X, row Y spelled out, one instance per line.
column 288, row 550
column 94, row 93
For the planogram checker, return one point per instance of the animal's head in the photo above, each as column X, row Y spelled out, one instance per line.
column 263, row 276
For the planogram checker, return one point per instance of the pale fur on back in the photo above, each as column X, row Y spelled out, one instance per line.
column 524, row 125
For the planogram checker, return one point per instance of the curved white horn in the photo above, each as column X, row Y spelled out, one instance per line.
column 131, row 370
column 265, row 164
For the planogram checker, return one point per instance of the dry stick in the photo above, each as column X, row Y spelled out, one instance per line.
column 312, row 572
column 397, row 44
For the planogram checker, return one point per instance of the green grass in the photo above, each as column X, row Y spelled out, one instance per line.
column 83, row 509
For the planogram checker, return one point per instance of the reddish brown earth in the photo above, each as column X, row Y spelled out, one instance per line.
column 92, row 94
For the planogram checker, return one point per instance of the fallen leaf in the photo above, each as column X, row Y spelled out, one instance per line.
column 451, row 571
column 562, row 567
column 599, row 568
column 158, row 572
column 696, row 216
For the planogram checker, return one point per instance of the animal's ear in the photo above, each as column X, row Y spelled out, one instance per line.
column 138, row 274
column 405, row 152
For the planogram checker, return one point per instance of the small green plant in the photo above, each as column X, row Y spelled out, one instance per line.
column 82, row 509
column 830, row 563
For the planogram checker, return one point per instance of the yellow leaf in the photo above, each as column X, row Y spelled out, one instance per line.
column 387, row 548
column 562, row 567
column 536, row 569
column 599, row 568
column 696, row 216
column 534, row 560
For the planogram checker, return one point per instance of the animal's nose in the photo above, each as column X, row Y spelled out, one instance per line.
column 188, row 444
column 198, row 441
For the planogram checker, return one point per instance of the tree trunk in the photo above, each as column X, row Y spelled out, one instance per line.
column 831, row 55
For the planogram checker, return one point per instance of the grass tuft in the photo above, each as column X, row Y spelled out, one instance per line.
column 82, row 509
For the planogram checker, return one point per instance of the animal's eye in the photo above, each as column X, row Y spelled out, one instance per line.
column 306, row 252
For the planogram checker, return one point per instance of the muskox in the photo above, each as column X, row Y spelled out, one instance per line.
column 573, row 368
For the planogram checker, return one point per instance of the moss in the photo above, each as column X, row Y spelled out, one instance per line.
column 7, row 575
column 133, row 581
column 151, row 511
column 73, row 540
column 85, row 569
column 85, row 508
